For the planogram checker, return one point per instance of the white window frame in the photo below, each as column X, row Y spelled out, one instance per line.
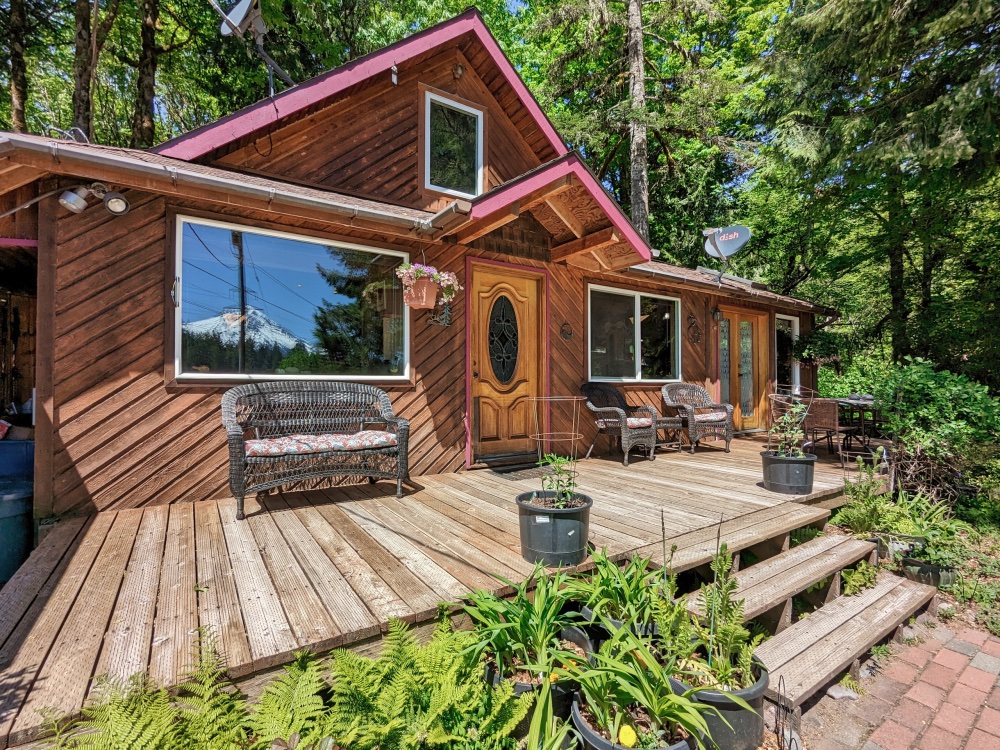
column 796, row 367
column 638, row 334
column 178, row 294
column 430, row 97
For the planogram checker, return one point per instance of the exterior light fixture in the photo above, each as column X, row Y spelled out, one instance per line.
column 75, row 200
column 116, row 203
column 717, row 315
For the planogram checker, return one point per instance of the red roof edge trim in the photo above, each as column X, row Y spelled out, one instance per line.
column 571, row 163
column 257, row 117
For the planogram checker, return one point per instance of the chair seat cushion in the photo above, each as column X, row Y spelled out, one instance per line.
column 711, row 416
column 294, row 445
column 630, row 422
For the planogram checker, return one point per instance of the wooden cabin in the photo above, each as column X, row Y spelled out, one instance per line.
column 264, row 246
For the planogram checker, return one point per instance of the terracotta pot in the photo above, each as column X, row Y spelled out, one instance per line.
column 422, row 295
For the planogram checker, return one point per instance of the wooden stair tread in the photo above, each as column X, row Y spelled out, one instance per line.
column 814, row 650
column 771, row 582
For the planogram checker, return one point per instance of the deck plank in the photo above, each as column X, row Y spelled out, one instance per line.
column 218, row 603
column 127, row 642
column 64, row 679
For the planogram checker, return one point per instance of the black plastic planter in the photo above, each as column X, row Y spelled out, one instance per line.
column 597, row 630
column 562, row 692
column 932, row 575
column 591, row 740
column 745, row 729
column 789, row 475
column 553, row 536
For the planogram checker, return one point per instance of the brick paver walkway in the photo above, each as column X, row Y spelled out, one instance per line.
column 939, row 694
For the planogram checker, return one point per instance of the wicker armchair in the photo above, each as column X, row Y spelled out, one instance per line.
column 824, row 421
column 702, row 417
column 632, row 425
column 285, row 432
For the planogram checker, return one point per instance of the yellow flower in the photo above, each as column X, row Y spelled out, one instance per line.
column 627, row 736
column 553, row 677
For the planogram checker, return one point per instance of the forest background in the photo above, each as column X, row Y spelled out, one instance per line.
column 858, row 140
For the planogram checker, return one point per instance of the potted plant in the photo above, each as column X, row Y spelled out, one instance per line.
column 421, row 284
column 934, row 564
column 626, row 699
column 787, row 469
column 727, row 677
column 615, row 595
column 555, row 522
column 527, row 635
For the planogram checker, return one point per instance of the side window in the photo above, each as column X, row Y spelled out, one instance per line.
column 454, row 147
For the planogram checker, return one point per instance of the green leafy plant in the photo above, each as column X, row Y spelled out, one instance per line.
column 628, row 686
column 135, row 715
column 521, row 632
column 560, row 479
column 864, row 576
column 851, row 683
column 869, row 508
column 728, row 644
column 881, row 652
column 627, row 594
column 803, row 535
column 420, row 696
column 290, row 705
column 787, row 431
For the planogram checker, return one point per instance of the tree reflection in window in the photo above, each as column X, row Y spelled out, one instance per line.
column 454, row 149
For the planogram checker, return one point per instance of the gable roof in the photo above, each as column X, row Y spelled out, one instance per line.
column 315, row 93
column 620, row 247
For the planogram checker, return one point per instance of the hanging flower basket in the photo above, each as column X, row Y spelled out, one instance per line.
column 422, row 294
column 421, row 285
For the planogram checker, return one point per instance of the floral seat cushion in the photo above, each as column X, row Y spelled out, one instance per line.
column 711, row 416
column 304, row 444
column 630, row 422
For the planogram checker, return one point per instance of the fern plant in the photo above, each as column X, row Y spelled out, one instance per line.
column 290, row 705
column 134, row 715
column 212, row 714
column 415, row 696
column 728, row 644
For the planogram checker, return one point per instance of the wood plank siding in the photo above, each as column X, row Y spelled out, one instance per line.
column 371, row 142
column 125, row 591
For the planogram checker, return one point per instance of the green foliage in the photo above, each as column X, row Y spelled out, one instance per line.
column 728, row 644
column 627, row 674
column 560, row 477
column 627, row 594
column 881, row 652
column 290, row 705
column 787, row 430
column 869, row 508
column 864, row 576
column 850, row 683
column 521, row 632
column 136, row 715
column 936, row 412
column 212, row 714
column 417, row 697
column 803, row 535
column 820, row 346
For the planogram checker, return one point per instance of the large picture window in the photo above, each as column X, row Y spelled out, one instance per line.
column 252, row 303
column 633, row 336
column 454, row 147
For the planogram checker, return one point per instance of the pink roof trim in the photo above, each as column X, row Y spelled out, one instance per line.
column 257, row 117
column 539, row 178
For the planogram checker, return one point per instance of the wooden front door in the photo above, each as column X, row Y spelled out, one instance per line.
column 743, row 366
column 507, row 362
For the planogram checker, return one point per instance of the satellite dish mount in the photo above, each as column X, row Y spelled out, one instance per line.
column 244, row 17
column 722, row 244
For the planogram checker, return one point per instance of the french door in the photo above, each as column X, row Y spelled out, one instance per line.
column 743, row 366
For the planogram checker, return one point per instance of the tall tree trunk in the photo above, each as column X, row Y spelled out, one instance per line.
column 143, row 123
column 639, row 149
column 897, row 234
column 83, row 107
column 18, row 69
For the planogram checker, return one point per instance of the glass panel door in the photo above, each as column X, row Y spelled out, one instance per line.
column 725, row 367
column 747, row 390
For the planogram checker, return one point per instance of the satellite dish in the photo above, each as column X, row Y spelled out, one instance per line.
column 724, row 243
column 242, row 17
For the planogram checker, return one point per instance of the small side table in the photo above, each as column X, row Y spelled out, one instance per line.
column 673, row 428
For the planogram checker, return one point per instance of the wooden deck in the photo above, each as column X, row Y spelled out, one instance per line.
column 125, row 591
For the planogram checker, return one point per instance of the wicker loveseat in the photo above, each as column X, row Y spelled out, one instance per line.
column 702, row 418
column 283, row 432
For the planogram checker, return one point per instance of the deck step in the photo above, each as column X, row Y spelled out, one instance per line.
column 816, row 649
column 771, row 582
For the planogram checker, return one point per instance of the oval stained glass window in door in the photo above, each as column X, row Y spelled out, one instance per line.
column 503, row 339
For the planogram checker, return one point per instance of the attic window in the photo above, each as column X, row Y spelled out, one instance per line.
column 453, row 147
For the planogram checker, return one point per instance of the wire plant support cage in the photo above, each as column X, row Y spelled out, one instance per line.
column 548, row 408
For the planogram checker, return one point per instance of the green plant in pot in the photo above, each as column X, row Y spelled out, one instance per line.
column 787, row 469
column 527, row 635
column 727, row 676
column 626, row 699
column 555, row 521
column 617, row 595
